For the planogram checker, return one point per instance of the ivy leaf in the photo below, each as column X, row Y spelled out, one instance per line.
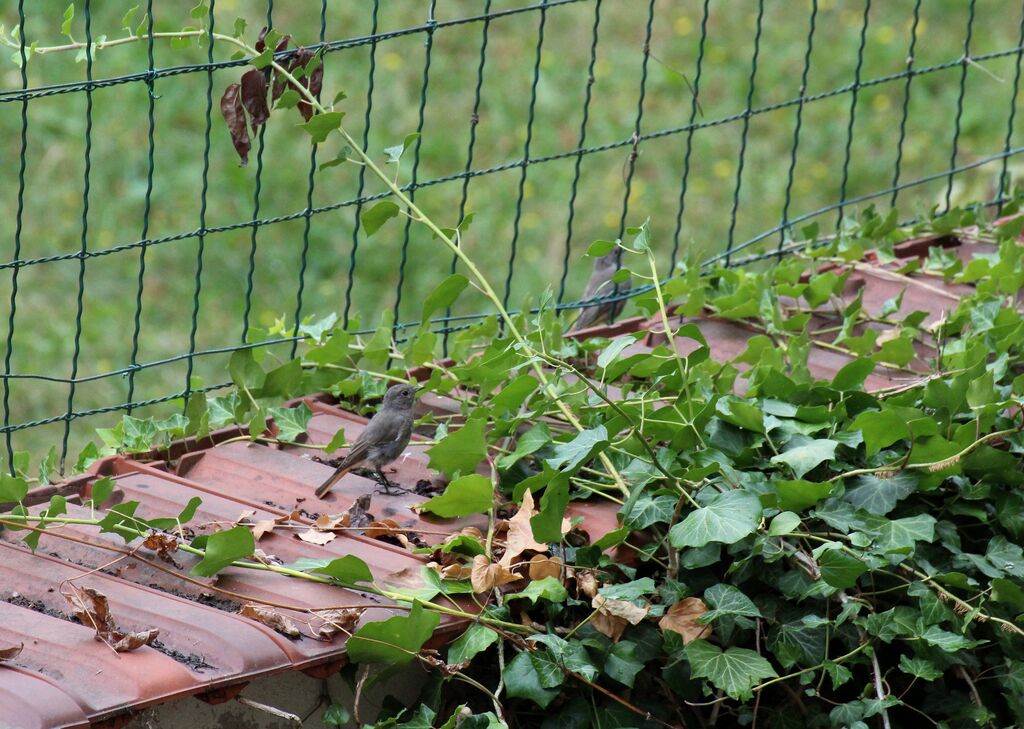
column 443, row 296
column 622, row 664
column 469, row 494
column 291, row 422
column 58, row 506
column 394, row 641
column 947, row 641
column 284, row 381
column 804, row 458
column 783, row 523
column 394, row 154
column 69, row 15
column 523, row 680
column 379, row 214
column 799, row 495
column 119, row 515
column 549, row 588
column 853, row 375
column 546, row 525
column 223, row 548
column 901, row 534
column 920, row 667
column 629, row 591
column 877, row 495
column 740, row 413
column 347, row 570
column 101, row 490
column 12, row 488
column 801, row 641
column 476, row 639
column 569, row 456
column 727, row 600
column 186, row 515
column 460, row 451
column 649, row 510
column 727, row 519
column 839, row 569
column 529, row 442
column 336, row 715
column 735, row 671
column 245, row 373
column 321, row 125
column 880, row 428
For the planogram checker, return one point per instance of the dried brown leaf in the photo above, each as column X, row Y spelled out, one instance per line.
column 682, row 618
column 620, row 609
column 609, row 625
column 92, row 610
column 541, row 567
column 234, row 115
column 11, row 652
column 520, row 533
column 163, row 544
column 262, row 528
column 254, row 97
column 271, row 618
column 384, row 528
column 586, row 583
column 337, row 621
column 456, row 572
column 326, row 522
column 314, row 537
column 486, row 575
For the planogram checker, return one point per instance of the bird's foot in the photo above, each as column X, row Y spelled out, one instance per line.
column 389, row 489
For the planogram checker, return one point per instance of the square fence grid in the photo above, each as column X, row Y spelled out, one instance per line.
column 138, row 254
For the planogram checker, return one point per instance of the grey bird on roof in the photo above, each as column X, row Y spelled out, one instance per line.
column 384, row 439
column 600, row 285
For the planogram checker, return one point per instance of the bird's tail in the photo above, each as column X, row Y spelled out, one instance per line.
column 331, row 480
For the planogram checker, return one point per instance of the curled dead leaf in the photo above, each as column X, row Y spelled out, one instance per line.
column 456, row 572
column 624, row 609
column 609, row 625
column 93, row 611
column 261, row 528
column 326, row 522
column 586, row 583
column 271, row 618
column 384, row 528
column 486, row 575
column 541, row 567
column 337, row 621
column 163, row 544
column 520, row 534
column 315, row 537
column 682, row 618
column 11, row 652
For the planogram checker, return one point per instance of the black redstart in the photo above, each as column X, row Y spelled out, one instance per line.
column 385, row 437
column 600, row 285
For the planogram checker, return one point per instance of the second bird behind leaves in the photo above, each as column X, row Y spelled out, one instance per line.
column 384, row 439
column 600, row 284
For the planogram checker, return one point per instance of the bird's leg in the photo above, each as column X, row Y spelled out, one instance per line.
column 383, row 480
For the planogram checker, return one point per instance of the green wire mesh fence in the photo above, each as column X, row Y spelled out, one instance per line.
column 138, row 254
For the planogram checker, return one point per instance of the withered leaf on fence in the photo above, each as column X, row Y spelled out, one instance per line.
column 254, row 97
column 234, row 115
column 92, row 610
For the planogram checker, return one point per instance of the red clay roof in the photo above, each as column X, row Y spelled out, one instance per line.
column 65, row 678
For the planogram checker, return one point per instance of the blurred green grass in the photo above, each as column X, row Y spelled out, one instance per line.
column 46, row 302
